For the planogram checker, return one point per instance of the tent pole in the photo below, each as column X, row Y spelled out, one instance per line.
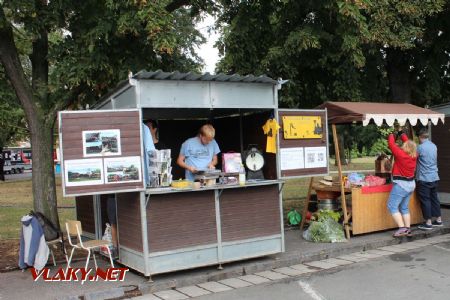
column 341, row 184
column 305, row 208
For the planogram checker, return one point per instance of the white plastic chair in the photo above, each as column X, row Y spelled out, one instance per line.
column 74, row 230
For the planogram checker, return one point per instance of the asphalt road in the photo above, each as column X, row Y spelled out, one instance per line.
column 423, row 273
column 21, row 176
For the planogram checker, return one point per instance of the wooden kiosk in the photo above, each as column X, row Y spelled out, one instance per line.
column 166, row 229
column 368, row 210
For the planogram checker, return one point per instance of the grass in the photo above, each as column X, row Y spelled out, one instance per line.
column 16, row 198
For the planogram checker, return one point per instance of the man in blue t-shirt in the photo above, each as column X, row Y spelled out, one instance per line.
column 199, row 153
column 427, row 182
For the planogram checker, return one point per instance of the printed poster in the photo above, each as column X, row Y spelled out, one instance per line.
column 292, row 158
column 302, row 127
column 316, row 157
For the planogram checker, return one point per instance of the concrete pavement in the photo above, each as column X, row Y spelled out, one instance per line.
column 418, row 273
column 299, row 254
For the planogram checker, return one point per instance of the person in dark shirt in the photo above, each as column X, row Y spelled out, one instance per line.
column 154, row 130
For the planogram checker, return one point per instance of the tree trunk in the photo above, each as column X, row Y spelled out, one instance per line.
column 41, row 125
column 398, row 75
column 44, row 188
column 2, row 164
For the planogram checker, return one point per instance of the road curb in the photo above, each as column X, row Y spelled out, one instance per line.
column 293, row 258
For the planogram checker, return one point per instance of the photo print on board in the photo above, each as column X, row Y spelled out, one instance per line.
column 101, row 142
column 79, row 172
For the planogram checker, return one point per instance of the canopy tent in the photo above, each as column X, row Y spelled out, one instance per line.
column 350, row 112
column 365, row 112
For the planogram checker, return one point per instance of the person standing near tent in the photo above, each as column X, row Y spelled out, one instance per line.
column 403, row 181
column 427, row 181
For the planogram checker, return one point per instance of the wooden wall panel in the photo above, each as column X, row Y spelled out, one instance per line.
column 129, row 221
column 181, row 220
column 250, row 213
column 74, row 123
column 291, row 143
column 85, row 213
column 441, row 137
column 370, row 212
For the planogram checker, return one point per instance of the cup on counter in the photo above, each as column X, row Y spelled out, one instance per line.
column 197, row 185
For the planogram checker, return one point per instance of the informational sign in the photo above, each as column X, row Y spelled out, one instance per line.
column 303, row 146
column 302, row 127
column 292, row 158
column 101, row 151
column 316, row 157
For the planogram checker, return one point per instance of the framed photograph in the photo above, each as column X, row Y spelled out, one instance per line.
column 79, row 172
column 101, row 142
column 123, row 169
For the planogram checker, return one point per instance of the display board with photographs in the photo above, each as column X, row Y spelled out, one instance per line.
column 101, row 151
column 101, row 142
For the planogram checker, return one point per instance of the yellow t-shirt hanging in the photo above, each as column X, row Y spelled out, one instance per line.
column 271, row 130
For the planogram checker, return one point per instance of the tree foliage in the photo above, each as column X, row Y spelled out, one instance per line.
column 341, row 50
column 76, row 51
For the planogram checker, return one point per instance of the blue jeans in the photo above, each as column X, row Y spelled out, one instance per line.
column 398, row 200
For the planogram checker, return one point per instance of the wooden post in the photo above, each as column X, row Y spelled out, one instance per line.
column 305, row 208
column 343, row 200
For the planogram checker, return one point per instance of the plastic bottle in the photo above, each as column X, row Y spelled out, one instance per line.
column 242, row 175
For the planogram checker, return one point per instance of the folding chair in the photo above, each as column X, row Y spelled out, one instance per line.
column 52, row 244
column 74, row 230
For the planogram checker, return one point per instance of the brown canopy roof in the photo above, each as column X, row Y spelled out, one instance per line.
column 349, row 112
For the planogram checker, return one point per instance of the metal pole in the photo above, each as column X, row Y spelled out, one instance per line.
column 241, row 131
column 308, row 198
column 218, row 228
column 145, row 249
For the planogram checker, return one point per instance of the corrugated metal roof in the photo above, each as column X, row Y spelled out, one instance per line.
column 160, row 75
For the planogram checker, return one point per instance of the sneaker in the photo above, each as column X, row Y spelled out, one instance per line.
column 437, row 224
column 425, row 226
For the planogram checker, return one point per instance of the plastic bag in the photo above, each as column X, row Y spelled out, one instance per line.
column 356, row 178
column 325, row 231
column 107, row 237
column 294, row 218
column 371, row 180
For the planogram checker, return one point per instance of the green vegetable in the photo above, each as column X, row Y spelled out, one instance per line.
column 294, row 217
column 328, row 214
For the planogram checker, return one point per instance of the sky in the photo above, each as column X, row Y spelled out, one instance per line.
column 207, row 52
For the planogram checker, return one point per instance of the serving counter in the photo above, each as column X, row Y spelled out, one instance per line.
column 168, row 229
